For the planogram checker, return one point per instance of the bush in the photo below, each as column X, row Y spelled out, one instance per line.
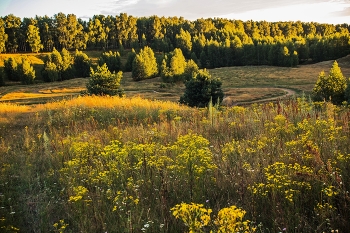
column 201, row 89
column 103, row 82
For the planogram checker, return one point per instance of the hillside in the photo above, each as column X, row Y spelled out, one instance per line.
column 242, row 84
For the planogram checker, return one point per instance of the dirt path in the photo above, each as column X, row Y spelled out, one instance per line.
column 288, row 93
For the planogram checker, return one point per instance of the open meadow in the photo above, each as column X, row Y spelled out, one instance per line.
column 242, row 84
column 144, row 163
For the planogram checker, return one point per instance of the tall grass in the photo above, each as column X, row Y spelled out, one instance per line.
column 107, row 164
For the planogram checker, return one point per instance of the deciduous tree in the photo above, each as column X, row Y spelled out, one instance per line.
column 144, row 65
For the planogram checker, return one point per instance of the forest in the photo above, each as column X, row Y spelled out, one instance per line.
column 215, row 42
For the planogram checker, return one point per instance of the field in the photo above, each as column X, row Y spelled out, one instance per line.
column 242, row 85
column 144, row 163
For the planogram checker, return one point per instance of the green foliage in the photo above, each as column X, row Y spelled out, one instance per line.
column 332, row 87
column 82, row 64
column 112, row 60
column 173, row 66
column 33, row 39
column 129, row 61
column 3, row 36
column 103, row 82
column 144, row 65
column 50, row 73
column 10, row 69
column 191, row 70
column 62, row 63
column 184, row 42
column 26, row 71
column 201, row 89
column 2, row 78
column 347, row 91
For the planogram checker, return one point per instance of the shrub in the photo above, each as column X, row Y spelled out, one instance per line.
column 103, row 82
column 2, row 79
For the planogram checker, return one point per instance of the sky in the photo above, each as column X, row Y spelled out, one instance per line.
column 321, row 11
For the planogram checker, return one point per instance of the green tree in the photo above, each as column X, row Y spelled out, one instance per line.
column 82, row 64
column 332, row 87
column 26, row 71
column 10, row 68
column 144, row 65
column 50, row 72
column 201, row 89
column 191, row 70
column 33, row 39
column 130, row 60
column 3, row 36
column 2, row 78
column 112, row 60
column 12, row 29
column 173, row 66
column 184, row 42
column 103, row 82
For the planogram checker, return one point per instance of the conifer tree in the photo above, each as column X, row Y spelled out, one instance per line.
column 104, row 82
column 201, row 89
column 332, row 87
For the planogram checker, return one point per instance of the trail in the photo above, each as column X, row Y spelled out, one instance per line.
column 288, row 93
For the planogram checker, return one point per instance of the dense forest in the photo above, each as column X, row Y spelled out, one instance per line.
column 214, row 42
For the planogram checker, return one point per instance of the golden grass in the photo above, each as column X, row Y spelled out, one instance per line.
column 13, row 108
column 112, row 102
column 34, row 58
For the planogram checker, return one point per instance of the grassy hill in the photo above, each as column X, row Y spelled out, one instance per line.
column 243, row 84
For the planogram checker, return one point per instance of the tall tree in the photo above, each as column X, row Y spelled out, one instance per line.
column 12, row 29
column 3, row 36
column 33, row 39
column 184, row 42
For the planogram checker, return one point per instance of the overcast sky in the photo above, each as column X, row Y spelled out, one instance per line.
column 322, row 11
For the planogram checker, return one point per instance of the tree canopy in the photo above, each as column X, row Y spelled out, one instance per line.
column 216, row 41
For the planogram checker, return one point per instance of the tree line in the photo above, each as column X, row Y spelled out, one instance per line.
column 214, row 42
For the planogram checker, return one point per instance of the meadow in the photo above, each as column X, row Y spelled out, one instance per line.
column 144, row 163
column 108, row 164
column 241, row 84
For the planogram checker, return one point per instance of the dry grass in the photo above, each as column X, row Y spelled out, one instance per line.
column 243, row 84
